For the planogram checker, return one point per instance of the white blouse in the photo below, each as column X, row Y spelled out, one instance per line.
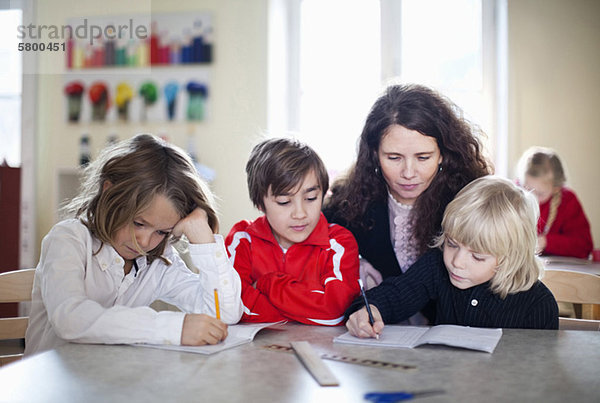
column 402, row 233
column 85, row 297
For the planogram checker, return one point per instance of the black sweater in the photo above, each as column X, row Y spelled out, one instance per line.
column 375, row 243
column 397, row 298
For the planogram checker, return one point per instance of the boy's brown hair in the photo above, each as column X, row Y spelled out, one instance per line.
column 281, row 164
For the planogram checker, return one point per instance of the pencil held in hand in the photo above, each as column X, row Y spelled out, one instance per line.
column 217, row 304
column 362, row 291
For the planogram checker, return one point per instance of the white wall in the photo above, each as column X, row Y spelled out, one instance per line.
column 238, row 89
column 553, row 95
column 554, row 89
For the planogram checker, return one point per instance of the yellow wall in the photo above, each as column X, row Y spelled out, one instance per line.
column 238, row 88
column 554, row 89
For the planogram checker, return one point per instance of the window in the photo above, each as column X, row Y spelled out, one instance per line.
column 10, row 88
column 340, row 64
column 342, row 54
column 450, row 46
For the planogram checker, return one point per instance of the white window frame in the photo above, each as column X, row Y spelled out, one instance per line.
column 284, row 67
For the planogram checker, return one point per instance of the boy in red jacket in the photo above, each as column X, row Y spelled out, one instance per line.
column 293, row 264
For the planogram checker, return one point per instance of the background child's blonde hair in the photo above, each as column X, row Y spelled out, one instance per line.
column 138, row 169
column 492, row 215
column 538, row 162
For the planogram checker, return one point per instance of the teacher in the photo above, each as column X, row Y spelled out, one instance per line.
column 416, row 151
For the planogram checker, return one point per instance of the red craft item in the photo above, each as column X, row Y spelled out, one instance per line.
column 74, row 88
column 98, row 93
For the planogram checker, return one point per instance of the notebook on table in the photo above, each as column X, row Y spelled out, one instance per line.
column 236, row 336
column 473, row 338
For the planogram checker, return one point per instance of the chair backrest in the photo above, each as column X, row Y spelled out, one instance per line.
column 15, row 286
column 577, row 288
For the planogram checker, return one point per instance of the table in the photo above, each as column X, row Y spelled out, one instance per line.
column 571, row 264
column 527, row 365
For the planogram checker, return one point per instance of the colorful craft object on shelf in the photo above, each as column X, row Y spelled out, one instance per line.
column 170, row 90
column 74, row 92
column 122, row 99
column 197, row 96
column 98, row 94
column 192, row 44
column 149, row 93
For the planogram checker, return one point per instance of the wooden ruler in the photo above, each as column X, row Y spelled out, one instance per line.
column 312, row 361
column 348, row 360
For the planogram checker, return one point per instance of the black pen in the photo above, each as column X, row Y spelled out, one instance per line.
column 362, row 291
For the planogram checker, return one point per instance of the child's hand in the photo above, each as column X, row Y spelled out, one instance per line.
column 195, row 227
column 199, row 329
column 358, row 324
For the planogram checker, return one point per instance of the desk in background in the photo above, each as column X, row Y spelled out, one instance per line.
column 527, row 365
column 571, row 264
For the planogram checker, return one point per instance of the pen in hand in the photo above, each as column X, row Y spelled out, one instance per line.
column 371, row 320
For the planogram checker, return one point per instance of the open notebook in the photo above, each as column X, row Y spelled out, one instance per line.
column 236, row 335
column 474, row 338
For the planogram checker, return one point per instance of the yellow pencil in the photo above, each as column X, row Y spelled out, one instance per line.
column 217, row 304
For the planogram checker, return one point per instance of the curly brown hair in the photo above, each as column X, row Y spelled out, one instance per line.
column 418, row 108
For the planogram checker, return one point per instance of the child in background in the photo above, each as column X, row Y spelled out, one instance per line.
column 294, row 265
column 563, row 229
column 483, row 271
column 99, row 270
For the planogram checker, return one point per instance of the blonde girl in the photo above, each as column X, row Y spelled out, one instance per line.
column 563, row 228
column 100, row 269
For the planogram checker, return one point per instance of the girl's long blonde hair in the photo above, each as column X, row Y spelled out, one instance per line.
column 138, row 169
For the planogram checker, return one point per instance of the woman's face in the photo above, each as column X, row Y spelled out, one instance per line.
column 409, row 161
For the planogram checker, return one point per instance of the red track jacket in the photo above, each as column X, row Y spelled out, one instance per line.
column 313, row 283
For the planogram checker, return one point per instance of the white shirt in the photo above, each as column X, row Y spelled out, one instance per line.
column 402, row 228
column 82, row 297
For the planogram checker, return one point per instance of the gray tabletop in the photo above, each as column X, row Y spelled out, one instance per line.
column 527, row 365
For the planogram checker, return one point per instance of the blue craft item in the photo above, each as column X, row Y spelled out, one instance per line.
column 197, row 47
column 186, row 54
column 197, row 96
column 170, row 90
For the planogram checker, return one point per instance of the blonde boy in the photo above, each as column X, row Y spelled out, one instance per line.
column 483, row 273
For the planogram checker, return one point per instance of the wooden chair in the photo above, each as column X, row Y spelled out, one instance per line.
column 577, row 288
column 15, row 286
